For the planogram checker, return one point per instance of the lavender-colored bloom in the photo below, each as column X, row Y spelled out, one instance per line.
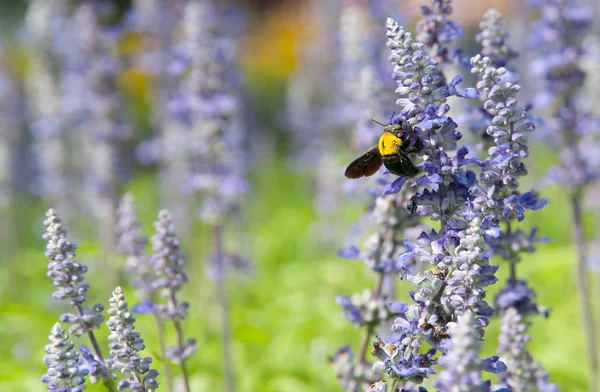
column 379, row 386
column 132, row 242
column 558, row 40
column 420, row 85
column 44, row 22
column 462, row 270
column 401, row 360
column 207, row 104
column 104, row 118
column 468, row 208
column 125, row 347
column 65, row 272
column 365, row 308
column 65, row 370
column 523, row 373
column 517, row 295
column 493, row 37
column 350, row 374
column 67, row 276
column 435, row 30
column 509, row 128
column 462, row 365
column 168, row 263
column 97, row 371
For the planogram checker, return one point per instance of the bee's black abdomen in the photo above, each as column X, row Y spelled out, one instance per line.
column 400, row 165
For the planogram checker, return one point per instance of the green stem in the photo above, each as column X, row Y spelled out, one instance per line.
column 180, row 342
column 160, row 332
column 226, row 338
column 584, row 293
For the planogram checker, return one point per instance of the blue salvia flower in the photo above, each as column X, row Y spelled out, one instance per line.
column 132, row 242
column 379, row 386
column 67, row 276
column 365, row 308
column 370, row 309
column 43, row 23
column 65, row 370
column 168, row 263
column 468, row 208
column 311, row 82
column 423, row 96
column 97, row 371
column 493, row 38
column 125, row 347
column 436, row 31
column 382, row 386
column 523, row 373
column 351, row 374
column 105, row 122
column 211, row 109
column 462, row 365
column 153, row 22
column 507, row 126
column 557, row 39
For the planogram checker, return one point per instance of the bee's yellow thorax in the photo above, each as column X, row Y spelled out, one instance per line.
column 388, row 142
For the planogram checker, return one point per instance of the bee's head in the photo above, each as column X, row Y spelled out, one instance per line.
column 397, row 128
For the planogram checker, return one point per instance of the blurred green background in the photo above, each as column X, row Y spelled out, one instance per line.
column 284, row 317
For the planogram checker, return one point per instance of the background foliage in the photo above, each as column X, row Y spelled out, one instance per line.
column 285, row 321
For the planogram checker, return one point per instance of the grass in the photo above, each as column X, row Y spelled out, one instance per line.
column 284, row 317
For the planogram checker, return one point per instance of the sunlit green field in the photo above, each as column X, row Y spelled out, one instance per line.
column 284, row 317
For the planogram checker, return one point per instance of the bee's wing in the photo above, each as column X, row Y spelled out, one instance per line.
column 365, row 165
column 408, row 167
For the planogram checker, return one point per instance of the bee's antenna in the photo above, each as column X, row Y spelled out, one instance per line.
column 377, row 122
column 393, row 114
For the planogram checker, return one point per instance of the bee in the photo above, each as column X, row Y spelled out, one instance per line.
column 391, row 151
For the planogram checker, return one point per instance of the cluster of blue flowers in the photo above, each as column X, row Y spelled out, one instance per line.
column 162, row 273
column 474, row 201
column 557, row 38
column 125, row 347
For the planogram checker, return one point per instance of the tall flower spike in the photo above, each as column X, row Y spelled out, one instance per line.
column 132, row 242
column 215, row 145
column 106, row 124
column 462, row 365
column 435, row 30
column 44, row 21
column 125, row 347
column 65, row 272
column 507, row 126
column 168, row 265
column 523, row 373
column 65, row 373
column 558, row 40
column 493, row 37
column 167, row 260
column 420, row 85
column 459, row 251
column 67, row 276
